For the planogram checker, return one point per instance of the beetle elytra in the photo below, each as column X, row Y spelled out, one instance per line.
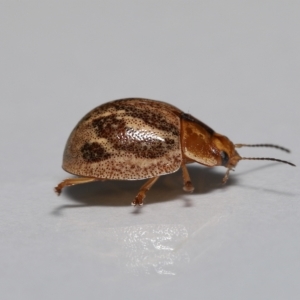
column 135, row 138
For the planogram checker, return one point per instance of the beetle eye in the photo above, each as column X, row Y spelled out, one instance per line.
column 225, row 158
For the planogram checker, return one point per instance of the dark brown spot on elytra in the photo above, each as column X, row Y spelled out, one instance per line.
column 151, row 118
column 94, row 152
column 107, row 126
column 130, row 140
column 145, row 149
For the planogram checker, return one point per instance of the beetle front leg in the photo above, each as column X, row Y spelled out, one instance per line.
column 187, row 183
column 143, row 190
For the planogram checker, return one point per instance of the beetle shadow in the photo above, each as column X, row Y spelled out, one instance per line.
column 167, row 188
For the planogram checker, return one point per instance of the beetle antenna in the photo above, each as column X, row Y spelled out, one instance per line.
column 263, row 145
column 268, row 158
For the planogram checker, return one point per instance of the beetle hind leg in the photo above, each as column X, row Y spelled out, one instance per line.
column 72, row 181
column 187, row 183
column 143, row 190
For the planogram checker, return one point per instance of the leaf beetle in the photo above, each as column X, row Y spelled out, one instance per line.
column 136, row 138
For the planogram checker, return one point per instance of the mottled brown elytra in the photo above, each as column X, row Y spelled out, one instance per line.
column 135, row 138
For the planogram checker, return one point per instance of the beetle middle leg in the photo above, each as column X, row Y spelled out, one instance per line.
column 143, row 190
column 187, row 183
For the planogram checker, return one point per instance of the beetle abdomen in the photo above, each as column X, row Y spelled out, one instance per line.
column 125, row 139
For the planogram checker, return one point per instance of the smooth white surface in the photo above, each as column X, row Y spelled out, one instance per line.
column 234, row 65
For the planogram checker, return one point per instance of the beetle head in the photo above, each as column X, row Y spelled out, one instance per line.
column 203, row 145
column 229, row 156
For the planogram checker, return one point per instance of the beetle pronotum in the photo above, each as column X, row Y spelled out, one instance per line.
column 135, row 138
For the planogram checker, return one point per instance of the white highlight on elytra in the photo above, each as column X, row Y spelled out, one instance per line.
column 143, row 135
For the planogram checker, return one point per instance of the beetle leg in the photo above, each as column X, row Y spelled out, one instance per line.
column 187, row 184
column 226, row 176
column 143, row 190
column 72, row 181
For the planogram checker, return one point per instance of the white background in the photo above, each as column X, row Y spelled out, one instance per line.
column 232, row 64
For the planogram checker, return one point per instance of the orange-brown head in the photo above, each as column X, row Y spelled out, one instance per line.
column 203, row 145
column 227, row 155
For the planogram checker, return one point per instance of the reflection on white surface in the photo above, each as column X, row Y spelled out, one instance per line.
column 153, row 248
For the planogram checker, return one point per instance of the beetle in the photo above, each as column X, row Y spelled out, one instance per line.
column 136, row 138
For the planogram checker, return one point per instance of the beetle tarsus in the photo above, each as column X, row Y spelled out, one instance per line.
column 188, row 187
column 143, row 190
column 57, row 190
column 187, row 183
column 138, row 200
